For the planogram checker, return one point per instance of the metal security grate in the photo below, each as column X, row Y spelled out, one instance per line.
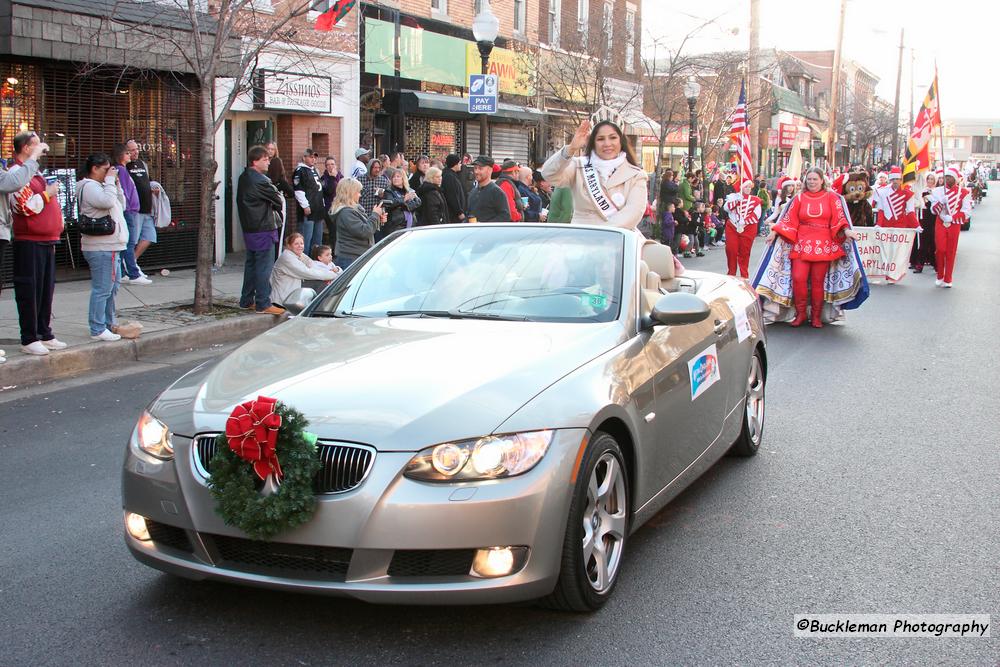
column 344, row 465
column 169, row 536
column 431, row 562
column 291, row 560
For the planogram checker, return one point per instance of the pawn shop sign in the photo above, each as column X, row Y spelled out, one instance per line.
column 483, row 90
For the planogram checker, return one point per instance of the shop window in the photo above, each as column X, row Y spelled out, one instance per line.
column 439, row 6
column 519, row 16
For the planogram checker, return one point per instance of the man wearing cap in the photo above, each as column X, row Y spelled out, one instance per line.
column 309, row 196
column 361, row 158
column 508, row 183
column 451, row 186
column 952, row 205
column 896, row 205
column 487, row 202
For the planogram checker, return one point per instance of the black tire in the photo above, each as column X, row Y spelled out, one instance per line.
column 574, row 590
column 752, row 432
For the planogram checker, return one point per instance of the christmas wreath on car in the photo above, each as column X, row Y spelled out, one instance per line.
column 267, row 441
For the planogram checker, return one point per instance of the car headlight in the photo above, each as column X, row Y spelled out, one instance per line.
column 492, row 457
column 153, row 437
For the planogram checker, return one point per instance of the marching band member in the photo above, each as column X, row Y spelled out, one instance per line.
column 952, row 205
column 816, row 226
column 896, row 205
column 741, row 228
column 923, row 250
column 786, row 190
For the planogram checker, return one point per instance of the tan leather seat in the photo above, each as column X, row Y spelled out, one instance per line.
column 660, row 260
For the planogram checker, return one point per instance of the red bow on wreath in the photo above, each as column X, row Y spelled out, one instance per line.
column 252, row 431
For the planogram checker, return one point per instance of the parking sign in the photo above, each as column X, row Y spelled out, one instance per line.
column 483, row 89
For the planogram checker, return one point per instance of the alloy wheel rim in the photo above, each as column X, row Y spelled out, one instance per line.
column 755, row 401
column 604, row 520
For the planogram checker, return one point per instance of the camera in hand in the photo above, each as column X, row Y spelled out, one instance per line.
column 388, row 204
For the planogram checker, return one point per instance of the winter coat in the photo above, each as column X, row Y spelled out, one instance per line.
column 355, row 231
column 454, row 194
column 561, row 206
column 97, row 200
column 258, row 202
column 13, row 180
column 289, row 272
column 433, row 207
column 627, row 182
column 162, row 215
column 398, row 209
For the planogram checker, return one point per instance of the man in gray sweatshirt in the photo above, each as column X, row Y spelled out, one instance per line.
column 12, row 181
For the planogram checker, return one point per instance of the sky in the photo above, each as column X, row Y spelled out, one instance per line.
column 963, row 36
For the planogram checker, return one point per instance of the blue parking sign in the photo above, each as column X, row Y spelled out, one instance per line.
column 483, row 90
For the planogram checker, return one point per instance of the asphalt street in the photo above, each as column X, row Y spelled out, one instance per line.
column 875, row 492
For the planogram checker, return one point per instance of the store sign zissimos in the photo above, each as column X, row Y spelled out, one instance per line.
column 292, row 91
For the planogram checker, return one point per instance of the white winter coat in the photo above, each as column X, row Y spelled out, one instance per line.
column 289, row 272
column 96, row 200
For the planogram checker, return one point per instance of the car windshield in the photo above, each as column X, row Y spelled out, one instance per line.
column 524, row 273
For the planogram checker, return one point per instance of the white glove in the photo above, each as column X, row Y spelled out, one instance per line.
column 946, row 218
column 920, row 230
column 946, row 225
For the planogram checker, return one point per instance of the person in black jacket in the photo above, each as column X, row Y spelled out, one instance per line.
column 433, row 204
column 669, row 190
column 259, row 205
column 421, row 164
column 309, row 196
column 453, row 188
column 400, row 203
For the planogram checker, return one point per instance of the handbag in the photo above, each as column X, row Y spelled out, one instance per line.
column 102, row 226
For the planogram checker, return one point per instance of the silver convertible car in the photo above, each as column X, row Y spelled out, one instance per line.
column 498, row 408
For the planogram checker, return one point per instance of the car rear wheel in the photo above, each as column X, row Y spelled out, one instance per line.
column 752, row 432
column 597, row 529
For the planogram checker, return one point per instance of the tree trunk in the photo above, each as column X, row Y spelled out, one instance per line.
column 206, row 227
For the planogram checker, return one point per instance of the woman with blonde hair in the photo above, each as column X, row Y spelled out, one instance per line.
column 608, row 185
column 433, row 206
column 355, row 228
column 401, row 203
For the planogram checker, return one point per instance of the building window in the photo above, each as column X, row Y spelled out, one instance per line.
column 478, row 7
column 630, row 40
column 439, row 6
column 519, row 16
column 582, row 14
column 555, row 9
column 607, row 23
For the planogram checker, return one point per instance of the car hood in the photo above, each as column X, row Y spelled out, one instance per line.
column 398, row 384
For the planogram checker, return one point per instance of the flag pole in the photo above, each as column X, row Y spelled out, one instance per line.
column 944, row 163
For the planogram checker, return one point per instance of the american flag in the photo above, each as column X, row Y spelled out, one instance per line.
column 739, row 132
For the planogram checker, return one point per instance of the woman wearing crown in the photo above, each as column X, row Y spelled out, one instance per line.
column 608, row 185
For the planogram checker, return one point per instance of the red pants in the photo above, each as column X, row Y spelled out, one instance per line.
column 802, row 272
column 738, row 248
column 945, row 249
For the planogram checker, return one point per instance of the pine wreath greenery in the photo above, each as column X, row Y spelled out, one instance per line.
column 233, row 482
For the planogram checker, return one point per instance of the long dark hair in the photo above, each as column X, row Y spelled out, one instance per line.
column 626, row 145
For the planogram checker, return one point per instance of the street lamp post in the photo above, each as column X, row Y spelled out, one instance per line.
column 691, row 92
column 485, row 28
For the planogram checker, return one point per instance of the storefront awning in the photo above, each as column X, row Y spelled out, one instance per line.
column 450, row 106
column 817, row 131
column 642, row 125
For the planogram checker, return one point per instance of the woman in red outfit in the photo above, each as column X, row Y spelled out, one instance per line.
column 816, row 226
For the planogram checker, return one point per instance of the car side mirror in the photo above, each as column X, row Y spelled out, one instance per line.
column 298, row 300
column 680, row 308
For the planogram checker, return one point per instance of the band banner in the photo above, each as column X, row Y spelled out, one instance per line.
column 885, row 252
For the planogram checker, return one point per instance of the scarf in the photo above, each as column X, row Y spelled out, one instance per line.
column 606, row 167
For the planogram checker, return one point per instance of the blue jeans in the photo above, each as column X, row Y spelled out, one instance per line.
column 104, row 281
column 312, row 233
column 131, row 269
column 257, row 279
column 344, row 261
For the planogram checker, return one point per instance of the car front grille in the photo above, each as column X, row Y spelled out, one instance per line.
column 168, row 536
column 344, row 465
column 431, row 562
column 278, row 559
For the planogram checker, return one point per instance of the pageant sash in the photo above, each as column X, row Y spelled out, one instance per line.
column 592, row 182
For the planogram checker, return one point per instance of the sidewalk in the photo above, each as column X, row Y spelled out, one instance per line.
column 162, row 308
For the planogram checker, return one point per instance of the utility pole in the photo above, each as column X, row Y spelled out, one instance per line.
column 895, row 105
column 831, row 139
column 753, row 82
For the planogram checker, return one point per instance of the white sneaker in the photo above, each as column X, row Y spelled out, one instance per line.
column 141, row 280
column 35, row 348
column 938, row 282
column 106, row 336
column 124, row 279
column 948, row 285
column 54, row 344
column 3, row 356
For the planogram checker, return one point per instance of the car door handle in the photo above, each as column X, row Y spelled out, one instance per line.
column 720, row 327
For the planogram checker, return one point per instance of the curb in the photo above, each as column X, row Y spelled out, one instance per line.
column 100, row 356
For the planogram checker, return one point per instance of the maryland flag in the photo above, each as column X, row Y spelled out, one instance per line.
column 332, row 16
column 917, row 157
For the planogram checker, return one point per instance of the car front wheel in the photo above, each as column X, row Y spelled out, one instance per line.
column 597, row 529
column 752, row 432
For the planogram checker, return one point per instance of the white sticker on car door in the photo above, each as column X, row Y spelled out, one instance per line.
column 741, row 320
column 704, row 371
